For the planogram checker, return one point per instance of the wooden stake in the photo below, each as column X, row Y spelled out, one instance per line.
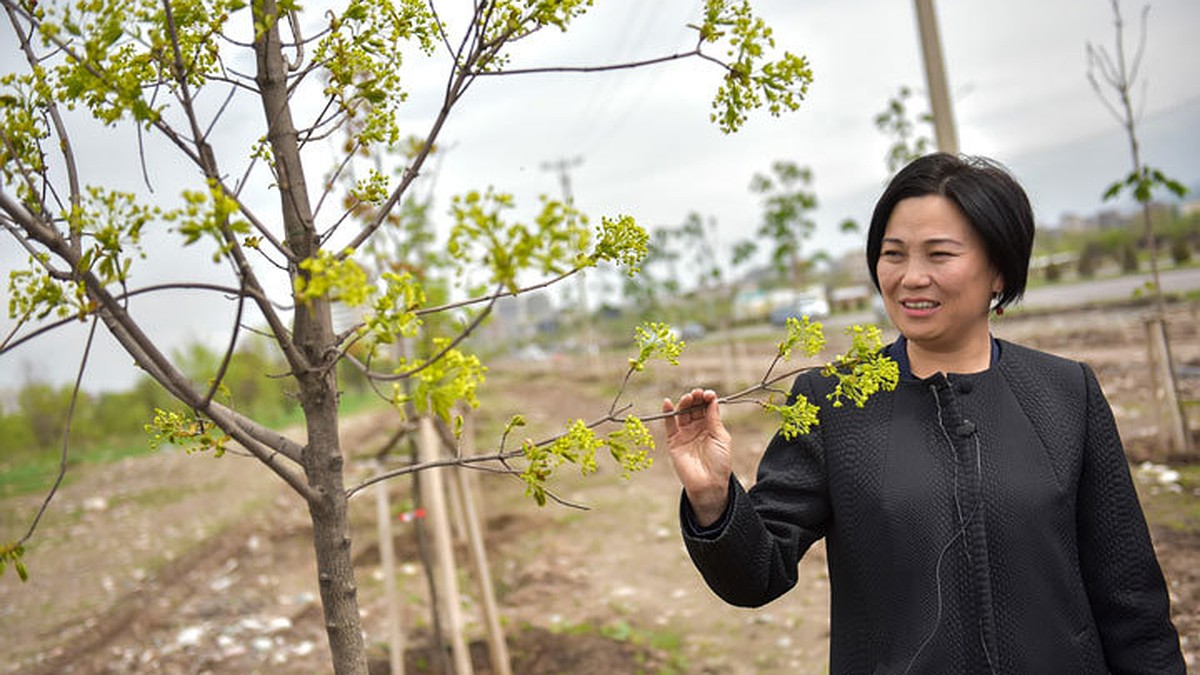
column 387, row 558
column 1172, row 426
column 458, row 524
column 433, row 489
column 468, row 491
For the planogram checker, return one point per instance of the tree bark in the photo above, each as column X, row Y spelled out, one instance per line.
column 313, row 336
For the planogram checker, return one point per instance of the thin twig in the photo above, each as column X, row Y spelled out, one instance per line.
column 124, row 296
column 497, row 295
column 470, row 328
column 596, row 69
column 441, row 28
column 62, row 463
column 233, row 340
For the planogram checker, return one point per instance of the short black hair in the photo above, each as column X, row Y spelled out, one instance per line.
column 993, row 202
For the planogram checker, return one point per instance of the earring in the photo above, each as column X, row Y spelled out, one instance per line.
column 999, row 308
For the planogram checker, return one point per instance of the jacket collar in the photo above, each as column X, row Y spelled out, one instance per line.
column 898, row 352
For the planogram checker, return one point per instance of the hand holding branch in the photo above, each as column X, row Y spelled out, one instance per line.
column 701, row 452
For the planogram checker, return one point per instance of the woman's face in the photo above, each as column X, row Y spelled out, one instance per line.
column 934, row 274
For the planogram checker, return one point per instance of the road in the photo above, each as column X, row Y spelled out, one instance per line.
column 1084, row 292
column 1065, row 295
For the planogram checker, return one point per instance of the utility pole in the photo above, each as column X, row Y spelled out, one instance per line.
column 935, row 77
column 563, row 168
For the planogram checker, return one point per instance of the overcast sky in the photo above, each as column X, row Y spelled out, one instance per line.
column 645, row 147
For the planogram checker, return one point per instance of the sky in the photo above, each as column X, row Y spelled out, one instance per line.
column 640, row 141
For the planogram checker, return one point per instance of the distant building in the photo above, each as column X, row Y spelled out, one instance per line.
column 518, row 319
column 852, row 267
column 1073, row 222
column 1109, row 219
column 851, row 298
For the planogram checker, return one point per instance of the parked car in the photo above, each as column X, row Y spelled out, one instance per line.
column 812, row 305
column 688, row 331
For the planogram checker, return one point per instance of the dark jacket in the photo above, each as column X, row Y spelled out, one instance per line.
column 982, row 523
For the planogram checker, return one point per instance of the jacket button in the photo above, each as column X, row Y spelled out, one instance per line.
column 965, row 429
column 965, row 387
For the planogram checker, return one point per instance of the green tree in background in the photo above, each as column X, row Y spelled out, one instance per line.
column 1119, row 73
column 788, row 204
column 908, row 141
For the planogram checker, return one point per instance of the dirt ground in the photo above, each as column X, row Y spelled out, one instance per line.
column 187, row 564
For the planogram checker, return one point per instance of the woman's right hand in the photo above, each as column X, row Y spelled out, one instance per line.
column 701, row 452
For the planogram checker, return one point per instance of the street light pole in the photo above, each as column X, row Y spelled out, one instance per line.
column 935, row 78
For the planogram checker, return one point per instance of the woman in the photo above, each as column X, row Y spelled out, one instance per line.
column 980, row 518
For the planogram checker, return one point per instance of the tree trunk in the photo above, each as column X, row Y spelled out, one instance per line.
column 331, row 535
column 313, row 336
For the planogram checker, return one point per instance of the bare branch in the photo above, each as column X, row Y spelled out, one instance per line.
column 320, row 121
column 1136, row 64
column 294, row 25
column 1095, row 61
column 467, row 462
column 14, row 230
column 597, row 69
column 220, row 113
column 28, row 222
column 233, row 340
column 62, row 462
column 1107, row 66
column 16, row 328
column 441, row 29
column 245, row 77
column 124, row 296
column 142, row 159
column 263, row 434
column 334, row 123
column 259, row 226
column 500, row 294
column 329, row 183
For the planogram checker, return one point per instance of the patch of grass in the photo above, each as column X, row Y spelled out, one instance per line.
column 37, row 473
column 28, row 477
column 1177, row 508
column 666, row 643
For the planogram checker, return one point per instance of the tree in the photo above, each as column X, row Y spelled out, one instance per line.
column 659, row 275
column 908, row 143
column 1120, row 75
column 171, row 70
column 787, row 220
column 679, row 259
